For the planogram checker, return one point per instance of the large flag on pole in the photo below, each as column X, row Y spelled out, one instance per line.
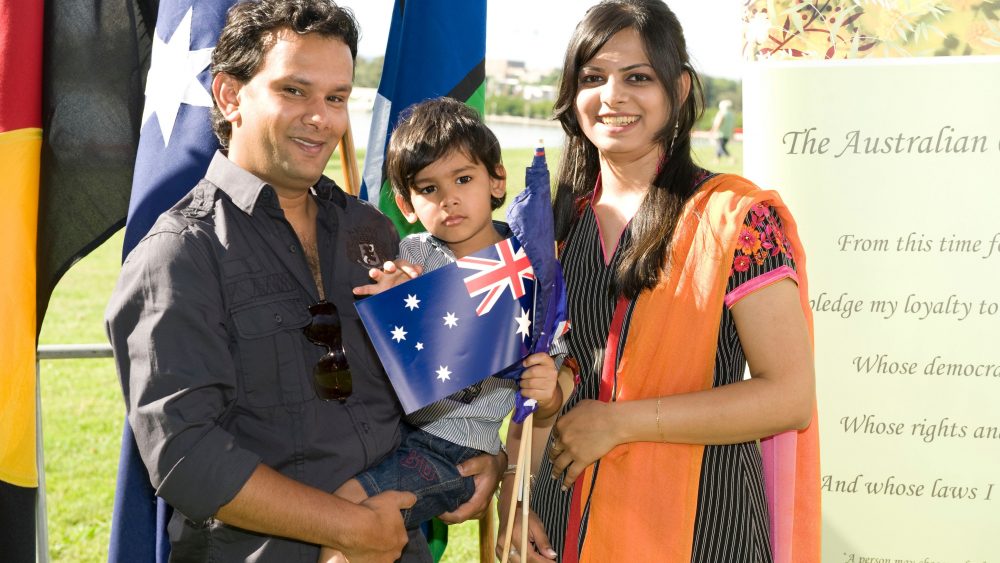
column 175, row 147
column 435, row 48
column 20, row 150
column 71, row 91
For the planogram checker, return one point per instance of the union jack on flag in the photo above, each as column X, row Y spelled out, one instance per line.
column 494, row 276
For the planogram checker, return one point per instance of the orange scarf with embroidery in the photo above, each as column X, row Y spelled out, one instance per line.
column 643, row 504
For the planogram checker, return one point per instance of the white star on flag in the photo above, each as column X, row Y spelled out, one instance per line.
column 443, row 373
column 450, row 320
column 523, row 324
column 398, row 334
column 419, row 346
column 173, row 78
column 530, row 403
column 412, row 302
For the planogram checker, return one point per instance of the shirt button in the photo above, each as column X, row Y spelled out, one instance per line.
column 291, row 248
column 277, row 318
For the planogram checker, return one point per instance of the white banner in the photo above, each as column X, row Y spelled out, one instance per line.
column 892, row 170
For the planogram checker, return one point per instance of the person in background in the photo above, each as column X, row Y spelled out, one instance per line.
column 722, row 129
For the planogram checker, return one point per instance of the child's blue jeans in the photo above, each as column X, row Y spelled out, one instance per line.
column 424, row 465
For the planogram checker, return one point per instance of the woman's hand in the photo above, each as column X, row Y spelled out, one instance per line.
column 580, row 437
column 540, row 547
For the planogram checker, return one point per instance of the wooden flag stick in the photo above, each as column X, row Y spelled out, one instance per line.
column 518, row 475
column 349, row 162
column 526, row 485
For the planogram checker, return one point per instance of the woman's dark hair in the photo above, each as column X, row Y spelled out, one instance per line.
column 249, row 34
column 431, row 130
column 653, row 226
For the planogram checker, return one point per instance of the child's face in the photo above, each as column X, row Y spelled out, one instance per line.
column 451, row 197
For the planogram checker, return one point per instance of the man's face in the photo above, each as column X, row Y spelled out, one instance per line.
column 293, row 112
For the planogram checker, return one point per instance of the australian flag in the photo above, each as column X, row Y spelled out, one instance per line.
column 454, row 326
column 176, row 144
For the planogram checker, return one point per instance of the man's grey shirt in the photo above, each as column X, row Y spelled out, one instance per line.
column 206, row 322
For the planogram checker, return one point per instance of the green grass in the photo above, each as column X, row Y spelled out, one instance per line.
column 83, row 411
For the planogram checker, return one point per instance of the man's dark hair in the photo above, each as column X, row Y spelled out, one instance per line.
column 250, row 31
column 432, row 129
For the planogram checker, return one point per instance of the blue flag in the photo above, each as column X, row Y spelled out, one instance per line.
column 530, row 219
column 455, row 326
column 435, row 49
column 176, row 144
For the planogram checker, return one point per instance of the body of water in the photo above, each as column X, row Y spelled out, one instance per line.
column 512, row 132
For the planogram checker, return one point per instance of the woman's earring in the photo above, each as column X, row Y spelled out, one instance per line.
column 670, row 151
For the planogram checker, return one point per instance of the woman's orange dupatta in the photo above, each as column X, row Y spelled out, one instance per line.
column 643, row 504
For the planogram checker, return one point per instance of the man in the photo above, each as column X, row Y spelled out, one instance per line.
column 232, row 319
column 722, row 128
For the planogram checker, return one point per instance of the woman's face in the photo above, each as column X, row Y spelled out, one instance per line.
column 620, row 103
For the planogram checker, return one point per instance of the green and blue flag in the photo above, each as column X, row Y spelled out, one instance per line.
column 436, row 48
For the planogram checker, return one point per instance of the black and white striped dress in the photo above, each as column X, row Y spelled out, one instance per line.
column 731, row 524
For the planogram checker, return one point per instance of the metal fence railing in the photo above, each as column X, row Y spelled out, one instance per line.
column 53, row 352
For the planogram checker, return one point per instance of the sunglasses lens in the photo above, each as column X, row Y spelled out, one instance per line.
column 332, row 375
column 325, row 326
column 332, row 378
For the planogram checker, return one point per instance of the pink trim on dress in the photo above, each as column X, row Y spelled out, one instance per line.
column 761, row 281
column 778, row 453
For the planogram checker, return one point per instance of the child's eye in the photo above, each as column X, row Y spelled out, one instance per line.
column 463, row 180
column 293, row 91
column 425, row 190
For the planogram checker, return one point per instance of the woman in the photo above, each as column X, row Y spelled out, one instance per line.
column 677, row 279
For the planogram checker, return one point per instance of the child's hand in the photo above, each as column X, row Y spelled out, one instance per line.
column 391, row 275
column 539, row 382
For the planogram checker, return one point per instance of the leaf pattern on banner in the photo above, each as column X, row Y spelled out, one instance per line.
column 854, row 29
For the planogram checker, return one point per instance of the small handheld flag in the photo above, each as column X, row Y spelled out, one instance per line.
column 455, row 326
column 530, row 219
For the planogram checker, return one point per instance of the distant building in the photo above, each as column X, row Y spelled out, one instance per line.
column 514, row 78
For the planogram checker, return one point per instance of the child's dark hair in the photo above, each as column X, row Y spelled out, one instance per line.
column 432, row 129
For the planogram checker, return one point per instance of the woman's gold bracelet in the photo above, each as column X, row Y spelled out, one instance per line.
column 659, row 430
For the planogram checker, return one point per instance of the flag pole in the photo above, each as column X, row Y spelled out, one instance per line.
column 349, row 162
column 526, row 432
column 516, row 496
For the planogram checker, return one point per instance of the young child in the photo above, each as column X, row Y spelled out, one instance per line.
column 445, row 168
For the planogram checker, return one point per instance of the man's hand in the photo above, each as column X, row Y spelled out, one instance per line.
column 486, row 470
column 379, row 536
column 391, row 275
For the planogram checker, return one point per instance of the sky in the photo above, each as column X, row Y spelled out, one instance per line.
column 537, row 31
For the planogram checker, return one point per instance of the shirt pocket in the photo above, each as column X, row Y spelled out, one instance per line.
column 269, row 341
